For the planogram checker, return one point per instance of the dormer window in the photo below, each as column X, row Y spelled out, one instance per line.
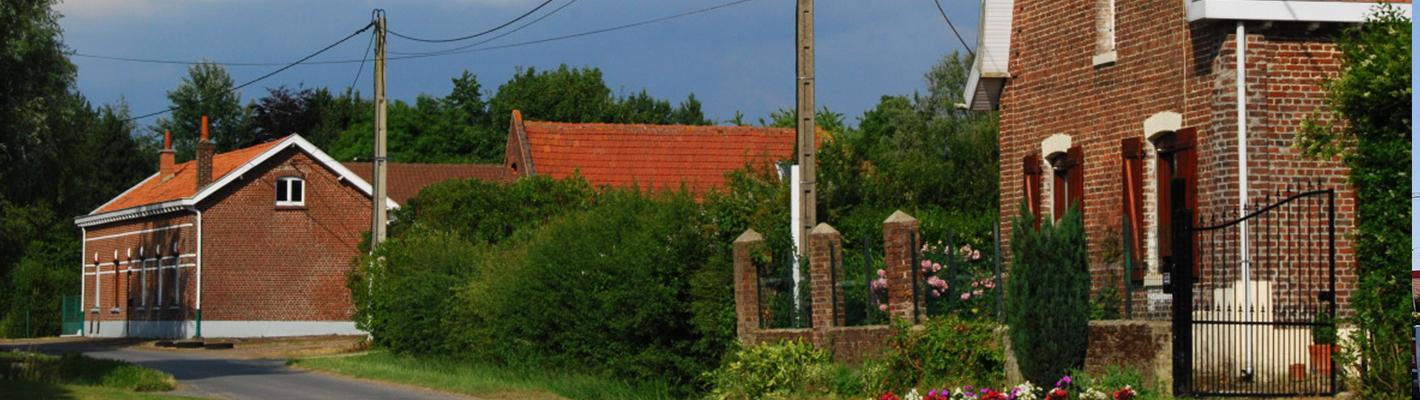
column 290, row 192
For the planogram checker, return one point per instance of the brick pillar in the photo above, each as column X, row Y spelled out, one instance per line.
column 746, row 290
column 899, row 246
column 825, row 249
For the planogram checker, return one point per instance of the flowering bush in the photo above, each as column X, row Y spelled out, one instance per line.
column 1025, row 391
column 956, row 280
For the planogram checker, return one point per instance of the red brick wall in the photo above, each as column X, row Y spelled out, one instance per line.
column 260, row 262
column 140, row 238
column 269, row 263
column 1164, row 64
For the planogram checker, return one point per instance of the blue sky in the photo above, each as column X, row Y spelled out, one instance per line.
column 737, row 58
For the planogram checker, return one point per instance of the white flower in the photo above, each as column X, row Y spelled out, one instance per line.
column 1093, row 394
column 913, row 395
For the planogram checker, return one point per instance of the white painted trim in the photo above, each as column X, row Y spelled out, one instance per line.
column 1162, row 122
column 99, row 273
column 225, row 329
column 293, row 141
column 165, row 228
column 1055, row 144
column 1283, row 10
column 286, row 181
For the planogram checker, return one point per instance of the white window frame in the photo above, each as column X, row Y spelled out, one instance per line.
column 286, row 183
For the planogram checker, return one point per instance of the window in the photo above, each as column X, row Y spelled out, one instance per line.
column 290, row 191
column 1069, row 182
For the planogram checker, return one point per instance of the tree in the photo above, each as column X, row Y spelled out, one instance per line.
column 37, row 79
column 1372, row 94
column 562, row 95
column 207, row 90
column 284, row 111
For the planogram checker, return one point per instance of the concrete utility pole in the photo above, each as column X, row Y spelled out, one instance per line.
column 805, row 99
column 377, row 231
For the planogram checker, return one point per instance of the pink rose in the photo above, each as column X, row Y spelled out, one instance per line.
column 882, row 307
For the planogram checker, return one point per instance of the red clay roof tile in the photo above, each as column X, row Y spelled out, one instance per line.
column 183, row 183
column 406, row 180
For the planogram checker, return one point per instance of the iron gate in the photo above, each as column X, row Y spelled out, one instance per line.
column 1254, row 294
column 73, row 316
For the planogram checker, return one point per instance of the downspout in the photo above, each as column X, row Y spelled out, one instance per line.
column 198, row 212
column 1241, row 60
column 83, row 252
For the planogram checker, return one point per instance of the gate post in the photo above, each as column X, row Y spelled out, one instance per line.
column 1182, row 282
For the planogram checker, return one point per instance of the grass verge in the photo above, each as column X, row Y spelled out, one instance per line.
column 33, row 375
column 491, row 382
column 14, row 389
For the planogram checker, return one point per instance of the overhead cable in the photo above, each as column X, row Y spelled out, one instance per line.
column 272, row 73
column 461, row 38
column 500, row 36
column 954, row 29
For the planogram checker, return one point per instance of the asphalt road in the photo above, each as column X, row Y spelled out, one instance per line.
column 209, row 374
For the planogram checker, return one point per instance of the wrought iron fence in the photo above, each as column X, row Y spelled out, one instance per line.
column 864, row 290
column 783, row 302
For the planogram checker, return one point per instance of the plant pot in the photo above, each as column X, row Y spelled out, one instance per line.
column 1298, row 372
column 1321, row 357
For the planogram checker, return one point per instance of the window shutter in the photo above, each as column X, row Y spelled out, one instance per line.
column 1031, row 166
column 1076, row 178
column 1132, row 199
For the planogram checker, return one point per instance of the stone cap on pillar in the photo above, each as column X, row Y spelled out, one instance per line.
column 822, row 228
column 749, row 236
column 899, row 216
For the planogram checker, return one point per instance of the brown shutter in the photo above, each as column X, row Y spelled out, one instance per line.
column 1187, row 160
column 1076, row 178
column 1031, row 166
column 1132, row 199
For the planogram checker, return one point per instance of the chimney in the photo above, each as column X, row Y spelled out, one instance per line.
column 204, row 157
column 167, row 158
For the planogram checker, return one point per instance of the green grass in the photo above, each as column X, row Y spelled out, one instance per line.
column 78, row 370
column 483, row 381
column 14, row 389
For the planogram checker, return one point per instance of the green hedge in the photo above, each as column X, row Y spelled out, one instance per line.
column 1049, row 289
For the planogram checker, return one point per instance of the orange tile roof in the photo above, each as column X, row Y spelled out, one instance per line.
column 654, row 157
column 406, row 180
column 183, row 183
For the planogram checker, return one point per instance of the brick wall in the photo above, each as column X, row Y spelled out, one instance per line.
column 847, row 344
column 1164, row 65
column 260, row 262
column 269, row 263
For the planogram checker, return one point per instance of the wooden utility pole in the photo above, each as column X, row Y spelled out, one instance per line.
column 378, row 187
column 805, row 99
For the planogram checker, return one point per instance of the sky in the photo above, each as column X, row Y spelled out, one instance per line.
column 736, row 58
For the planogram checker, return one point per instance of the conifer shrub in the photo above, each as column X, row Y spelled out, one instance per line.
column 1048, row 293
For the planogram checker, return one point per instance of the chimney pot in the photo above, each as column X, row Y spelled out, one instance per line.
column 167, row 158
column 205, row 148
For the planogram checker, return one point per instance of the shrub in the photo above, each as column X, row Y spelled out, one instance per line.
column 947, row 350
column 1048, row 295
column 771, row 369
column 403, row 294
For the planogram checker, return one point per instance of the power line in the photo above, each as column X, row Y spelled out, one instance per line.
column 362, row 61
column 577, row 35
column 461, row 38
column 954, row 28
column 415, row 55
column 272, row 73
column 504, row 34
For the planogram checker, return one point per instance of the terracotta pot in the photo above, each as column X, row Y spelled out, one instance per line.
column 1321, row 357
column 1298, row 372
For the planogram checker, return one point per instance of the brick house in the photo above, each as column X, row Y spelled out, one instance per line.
column 252, row 242
column 1103, row 102
column 651, row 157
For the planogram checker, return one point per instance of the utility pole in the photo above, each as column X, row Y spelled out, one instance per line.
column 805, row 99
column 378, row 187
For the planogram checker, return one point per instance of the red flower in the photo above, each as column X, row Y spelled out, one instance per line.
column 1126, row 393
column 1057, row 394
column 888, row 396
column 992, row 394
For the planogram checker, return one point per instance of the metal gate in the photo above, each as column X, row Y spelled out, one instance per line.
column 1254, row 299
column 73, row 314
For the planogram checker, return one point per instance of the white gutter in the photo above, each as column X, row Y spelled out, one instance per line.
column 199, row 269
column 1241, row 60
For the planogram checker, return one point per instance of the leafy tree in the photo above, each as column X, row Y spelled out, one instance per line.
column 1372, row 94
column 284, row 111
column 338, row 114
column 37, row 79
column 1049, row 302
column 561, row 95
column 207, row 90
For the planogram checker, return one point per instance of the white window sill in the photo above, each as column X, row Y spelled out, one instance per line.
column 1106, row 58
